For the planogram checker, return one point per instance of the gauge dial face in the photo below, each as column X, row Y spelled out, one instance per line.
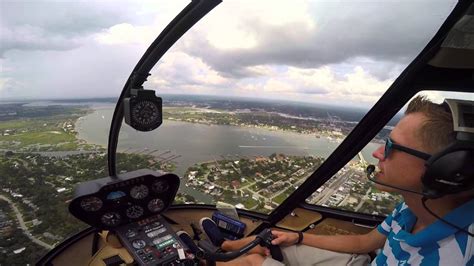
column 91, row 204
column 160, row 186
column 134, row 211
column 111, row 218
column 138, row 243
column 145, row 113
column 131, row 233
column 156, row 205
column 139, row 192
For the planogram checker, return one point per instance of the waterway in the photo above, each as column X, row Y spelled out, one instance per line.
column 195, row 143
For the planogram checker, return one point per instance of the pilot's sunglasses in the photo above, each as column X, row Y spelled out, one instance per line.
column 390, row 145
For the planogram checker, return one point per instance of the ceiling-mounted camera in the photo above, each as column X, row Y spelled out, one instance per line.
column 143, row 110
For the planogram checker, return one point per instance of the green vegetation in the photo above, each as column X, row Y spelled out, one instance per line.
column 42, row 129
column 256, row 184
column 42, row 187
column 254, row 119
column 13, row 239
column 42, row 138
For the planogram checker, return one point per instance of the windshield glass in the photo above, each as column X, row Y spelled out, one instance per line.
column 255, row 97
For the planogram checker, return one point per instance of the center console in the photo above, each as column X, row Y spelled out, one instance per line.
column 152, row 241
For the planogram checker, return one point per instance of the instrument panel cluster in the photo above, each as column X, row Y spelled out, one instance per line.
column 110, row 202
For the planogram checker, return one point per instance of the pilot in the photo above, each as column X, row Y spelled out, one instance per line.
column 411, row 234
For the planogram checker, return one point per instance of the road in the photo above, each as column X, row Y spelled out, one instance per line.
column 23, row 227
column 329, row 191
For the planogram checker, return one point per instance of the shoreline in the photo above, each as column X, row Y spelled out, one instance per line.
column 330, row 137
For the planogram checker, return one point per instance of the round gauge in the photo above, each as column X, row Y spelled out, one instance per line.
column 139, row 192
column 110, row 218
column 160, row 186
column 134, row 212
column 91, row 204
column 145, row 113
column 138, row 243
column 156, row 205
column 131, row 233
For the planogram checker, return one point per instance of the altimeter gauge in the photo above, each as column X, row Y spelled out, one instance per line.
column 143, row 110
column 134, row 211
column 156, row 205
column 139, row 192
column 91, row 204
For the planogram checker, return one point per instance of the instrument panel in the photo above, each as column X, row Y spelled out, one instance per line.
column 109, row 202
column 152, row 241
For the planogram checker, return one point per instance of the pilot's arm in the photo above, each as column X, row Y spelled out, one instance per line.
column 340, row 243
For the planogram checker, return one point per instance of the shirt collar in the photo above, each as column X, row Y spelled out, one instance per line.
column 462, row 217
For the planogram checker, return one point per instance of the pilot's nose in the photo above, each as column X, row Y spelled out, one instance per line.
column 379, row 153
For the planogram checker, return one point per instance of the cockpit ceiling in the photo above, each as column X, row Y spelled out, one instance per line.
column 457, row 49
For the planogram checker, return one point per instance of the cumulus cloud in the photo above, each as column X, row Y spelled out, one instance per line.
column 125, row 33
column 178, row 72
column 357, row 86
column 57, row 25
column 328, row 51
column 317, row 34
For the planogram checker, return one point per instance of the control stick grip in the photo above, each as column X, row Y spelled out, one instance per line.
column 267, row 237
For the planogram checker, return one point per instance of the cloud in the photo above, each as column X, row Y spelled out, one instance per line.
column 125, row 33
column 33, row 38
column 329, row 51
column 91, row 70
column 57, row 25
column 178, row 72
column 356, row 87
column 317, row 34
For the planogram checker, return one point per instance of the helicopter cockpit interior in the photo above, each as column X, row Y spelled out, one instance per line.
column 132, row 217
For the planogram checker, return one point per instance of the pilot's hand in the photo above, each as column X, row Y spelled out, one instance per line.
column 284, row 238
column 260, row 250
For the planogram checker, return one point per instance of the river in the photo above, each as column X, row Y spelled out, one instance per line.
column 195, row 143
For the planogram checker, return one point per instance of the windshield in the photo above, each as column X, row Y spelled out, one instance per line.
column 255, row 97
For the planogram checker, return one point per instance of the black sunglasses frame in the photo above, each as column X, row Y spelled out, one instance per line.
column 390, row 145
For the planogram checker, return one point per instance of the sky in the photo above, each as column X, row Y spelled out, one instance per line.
column 334, row 52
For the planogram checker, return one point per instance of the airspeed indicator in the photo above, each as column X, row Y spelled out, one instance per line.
column 91, row 204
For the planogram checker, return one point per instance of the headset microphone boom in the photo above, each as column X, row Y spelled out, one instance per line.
column 371, row 176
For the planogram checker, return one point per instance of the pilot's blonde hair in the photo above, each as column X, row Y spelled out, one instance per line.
column 436, row 132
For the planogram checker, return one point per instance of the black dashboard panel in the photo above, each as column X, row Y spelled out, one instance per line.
column 107, row 203
column 152, row 241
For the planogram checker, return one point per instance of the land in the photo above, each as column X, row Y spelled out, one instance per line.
column 265, row 182
column 40, row 187
column 42, row 160
column 47, row 128
column 259, row 184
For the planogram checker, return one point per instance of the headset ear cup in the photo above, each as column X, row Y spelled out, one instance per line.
column 449, row 172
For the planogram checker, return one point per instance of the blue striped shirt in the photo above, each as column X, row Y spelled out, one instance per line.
column 437, row 244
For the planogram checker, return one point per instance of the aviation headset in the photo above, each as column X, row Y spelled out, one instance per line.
column 452, row 169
